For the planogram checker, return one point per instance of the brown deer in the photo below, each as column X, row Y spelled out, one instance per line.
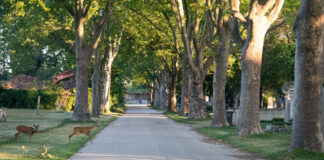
column 27, row 130
column 82, row 130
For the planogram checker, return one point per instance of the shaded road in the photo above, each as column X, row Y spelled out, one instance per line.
column 143, row 134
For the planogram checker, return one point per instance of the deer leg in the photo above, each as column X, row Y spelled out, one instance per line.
column 89, row 137
column 16, row 135
column 70, row 136
column 29, row 137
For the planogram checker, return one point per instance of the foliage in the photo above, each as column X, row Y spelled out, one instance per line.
column 278, row 62
column 49, row 97
column 275, row 121
column 117, row 91
column 36, row 37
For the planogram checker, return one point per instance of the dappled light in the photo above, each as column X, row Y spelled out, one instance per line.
column 161, row 79
column 89, row 156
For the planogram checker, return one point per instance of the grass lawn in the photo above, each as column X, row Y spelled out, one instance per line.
column 51, row 142
column 268, row 145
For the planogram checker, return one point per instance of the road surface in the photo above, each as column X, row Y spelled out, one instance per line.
column 146, row 134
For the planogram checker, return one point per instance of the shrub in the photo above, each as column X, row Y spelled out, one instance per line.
column 49, row 97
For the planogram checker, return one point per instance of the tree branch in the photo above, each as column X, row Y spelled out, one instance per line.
column 176, row 12
column 236, row 35
column 166, row 65
column 149, row 21
column 175, row 39
column 235, row 7
column 274, row 27
column 86, row 10
column 275, row 11
column 99, row 26
column 263, row 9
column 207, row 65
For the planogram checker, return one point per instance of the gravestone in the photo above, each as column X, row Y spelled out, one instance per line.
column 3, row 115
column 59, row 106
column 288, row 90
column 270, row 102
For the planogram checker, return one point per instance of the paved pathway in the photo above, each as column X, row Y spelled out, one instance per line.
column 145, row 134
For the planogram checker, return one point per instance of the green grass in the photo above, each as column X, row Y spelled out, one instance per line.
column 182, row 119
column 51, row 142
column 268, row 145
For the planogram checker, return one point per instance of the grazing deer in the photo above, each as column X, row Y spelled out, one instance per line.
column 82, row 130
column 27, row 130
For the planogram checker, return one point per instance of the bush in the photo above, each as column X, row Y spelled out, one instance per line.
column 274, row 121
column 49, row 97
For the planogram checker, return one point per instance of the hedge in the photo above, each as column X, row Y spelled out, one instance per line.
column 49, row 97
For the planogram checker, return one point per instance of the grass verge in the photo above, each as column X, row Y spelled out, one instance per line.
column 268, row 145
column 51, row 142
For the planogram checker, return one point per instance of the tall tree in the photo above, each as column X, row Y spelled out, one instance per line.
column 223, row 24
column 259, row 18
column 194, row 37
column 84, row 52
column 308, row 126
column 112, row 52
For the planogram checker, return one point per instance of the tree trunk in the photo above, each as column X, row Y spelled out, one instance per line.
column 157, row 101
column 260, row 17
column 219, row 79
column 107, row 84
column 185, row 90
column 81, row 110
column 162, row 94
column 307, row 130
column 249, row 120
column 95, row 87
column 84, row 52
column 172, row 104
column 101, row 92
column 197, row 105
column 151, row 95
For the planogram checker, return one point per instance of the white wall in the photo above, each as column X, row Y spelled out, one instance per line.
column 265, row 114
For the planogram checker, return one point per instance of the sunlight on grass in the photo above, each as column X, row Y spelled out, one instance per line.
column 51, row 142
column 269, row 145
column 183, row 119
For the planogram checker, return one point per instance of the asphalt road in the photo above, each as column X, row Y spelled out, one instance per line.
column 146, row 134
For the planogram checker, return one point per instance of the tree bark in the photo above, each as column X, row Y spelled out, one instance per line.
column 185, row 90
column 83, row 55
column 162, row 94
column 81, row 110
column 308, row 129
column 156, row 103
column 197, row 105
column 111, row 53
column 107, row 84
column 219, row 79
column 249, row 120
column 95, row 87
column 260, row 17
column 172, row 103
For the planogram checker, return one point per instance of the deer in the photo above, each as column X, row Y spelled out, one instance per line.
column 27, row 130
column 82, row 130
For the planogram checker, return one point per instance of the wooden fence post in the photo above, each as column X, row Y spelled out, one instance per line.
column 38, row 103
